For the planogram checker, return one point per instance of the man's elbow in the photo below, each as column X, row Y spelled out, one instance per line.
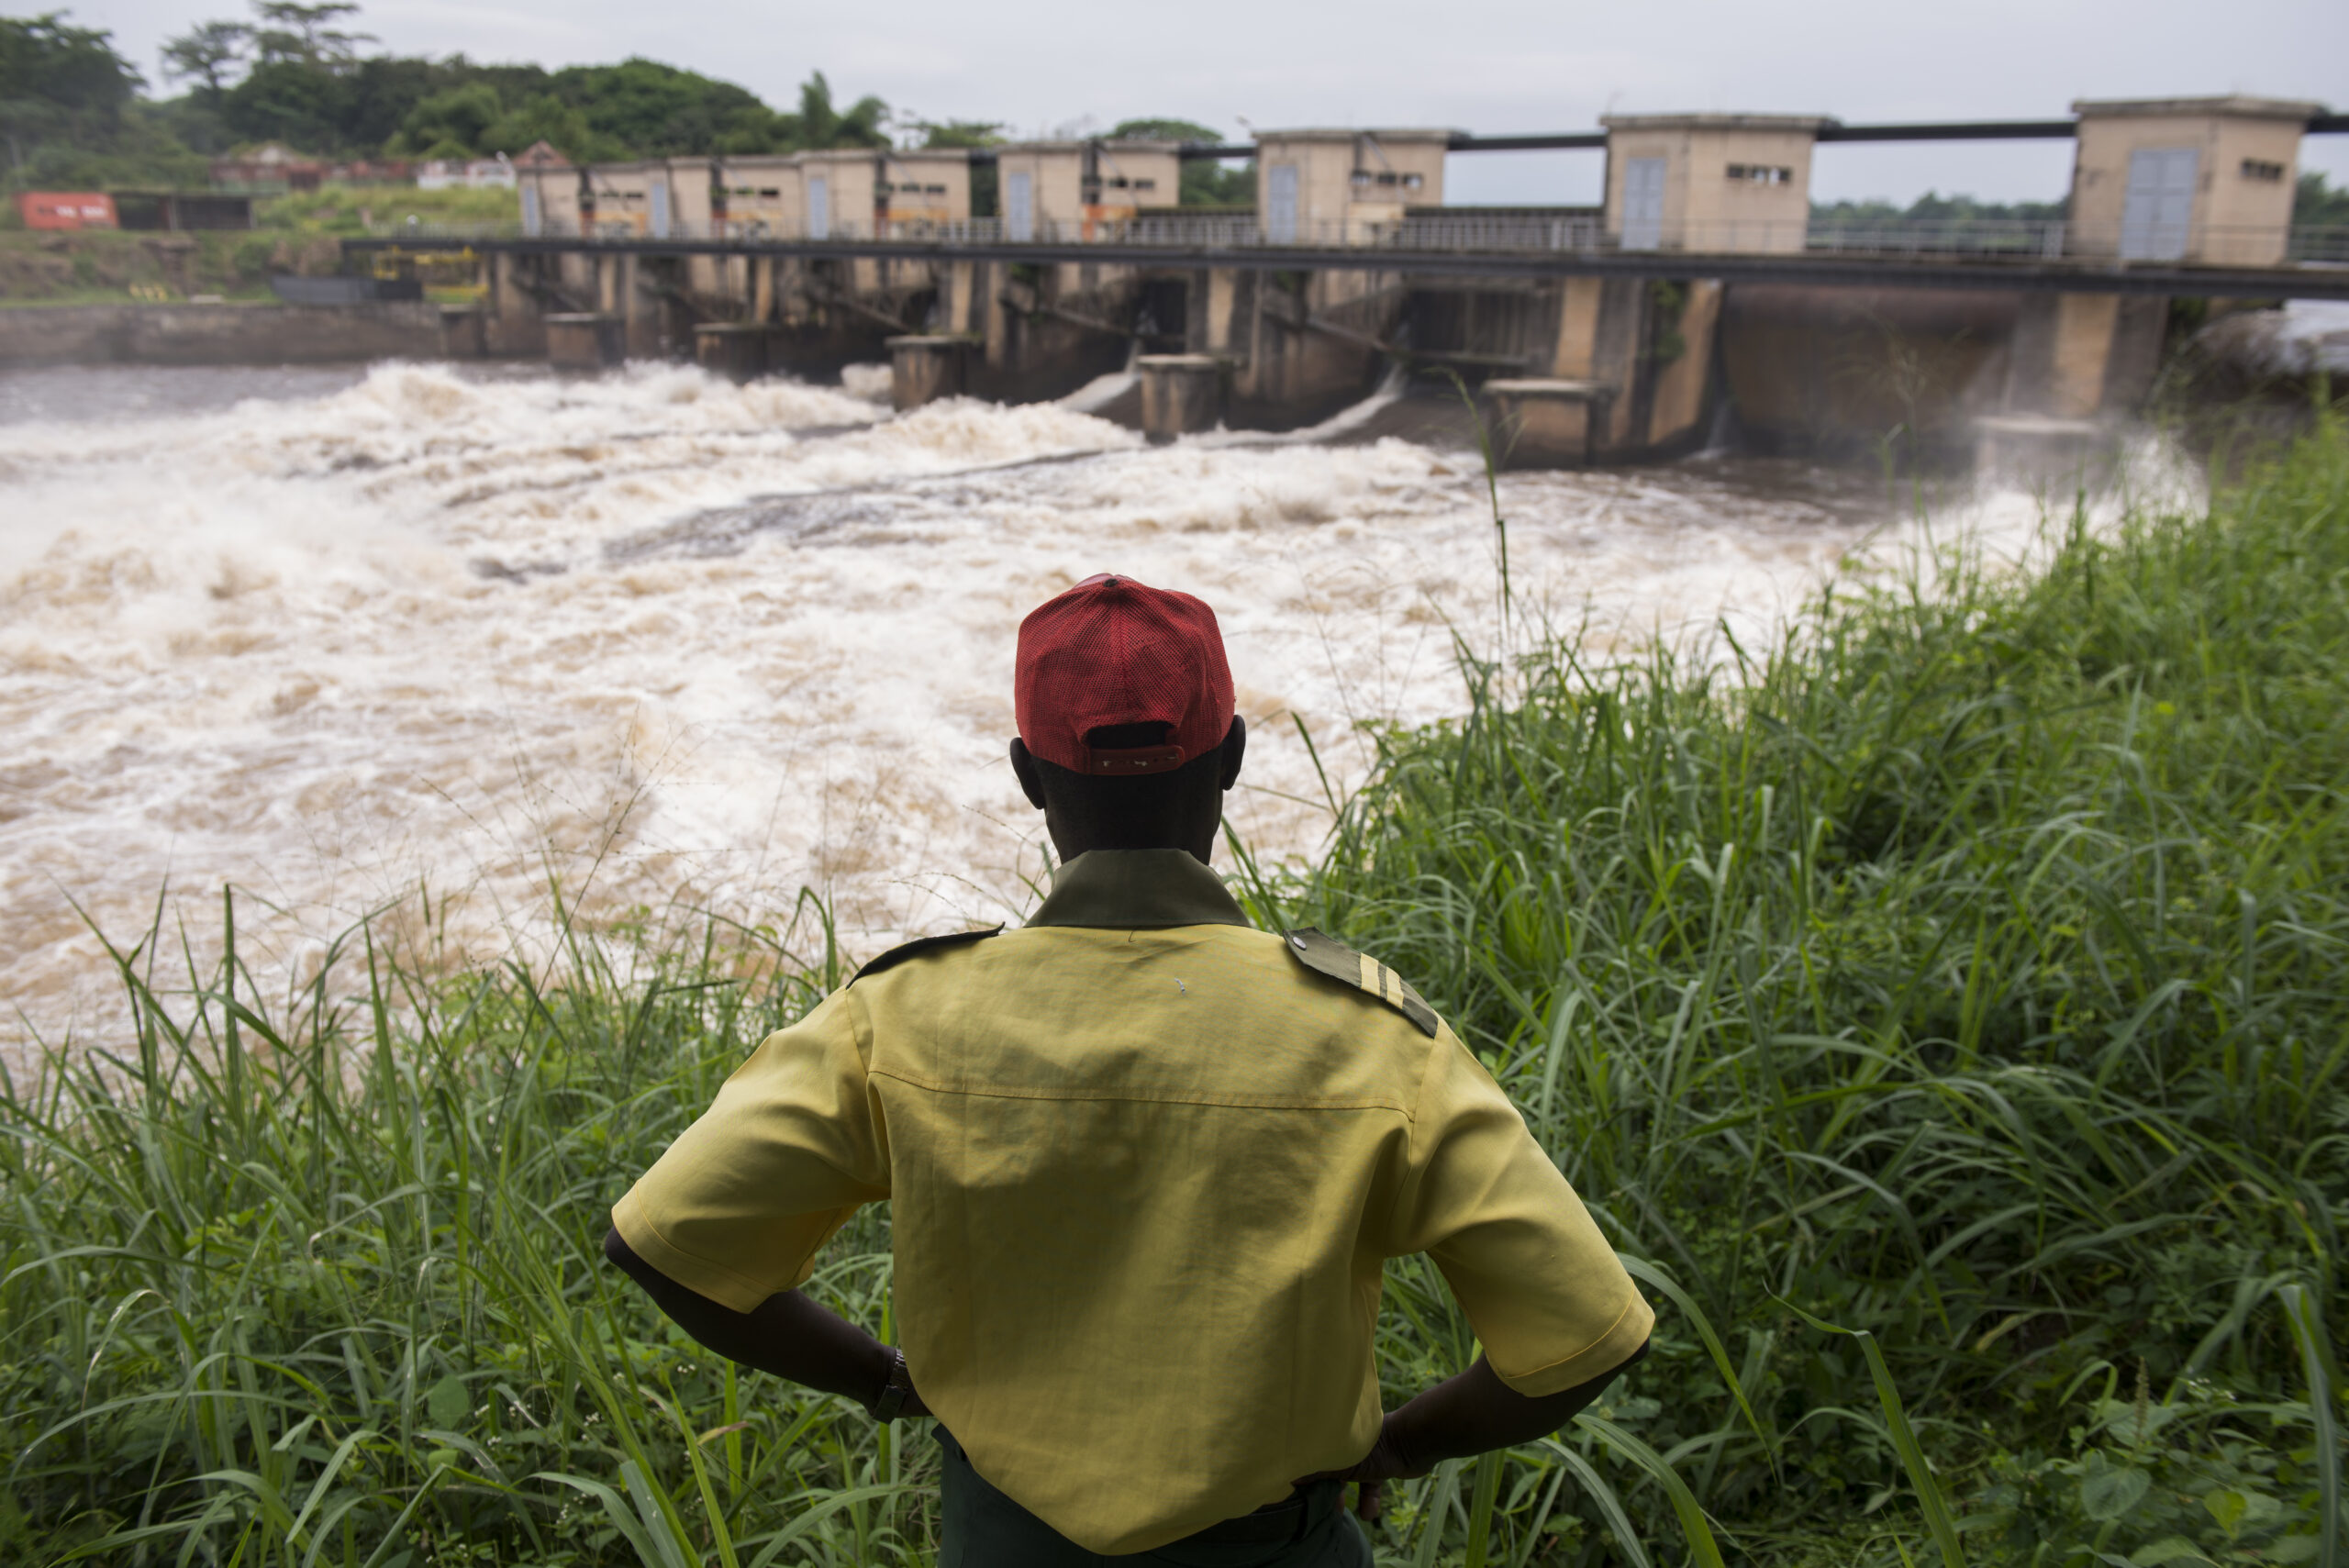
column 1597, row 1386
column 1560, row 1408
column 621, row 1256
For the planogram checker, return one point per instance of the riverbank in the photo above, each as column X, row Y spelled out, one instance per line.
column 241, row 332
column 299, row 233
column 1969, row 971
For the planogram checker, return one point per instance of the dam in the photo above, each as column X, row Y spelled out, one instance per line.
column 1602, row 334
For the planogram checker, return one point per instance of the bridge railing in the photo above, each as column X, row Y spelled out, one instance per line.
column 2024, row 237
column 2327, row 243
column 1986, row 240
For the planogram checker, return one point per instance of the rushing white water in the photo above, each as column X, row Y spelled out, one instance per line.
column 655, row 638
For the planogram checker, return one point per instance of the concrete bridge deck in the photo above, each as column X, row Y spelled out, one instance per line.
column 2028, row 275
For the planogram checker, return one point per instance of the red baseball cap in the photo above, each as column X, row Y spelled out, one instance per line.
column 1115, row 651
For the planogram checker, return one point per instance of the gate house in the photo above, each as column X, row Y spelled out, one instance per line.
column 633, row 201
column 921, row 193
column 1058, row 189
column 1725, row 184
column 838, row 191
column 1336, row 187
column 2201, row 179
column 762, row 196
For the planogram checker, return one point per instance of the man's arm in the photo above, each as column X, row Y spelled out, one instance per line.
column 1470, row 1414
column 786, row 1334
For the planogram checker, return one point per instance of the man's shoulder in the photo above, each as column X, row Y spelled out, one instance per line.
column 1301, row 957
column 1332, row 959
column 920, row 945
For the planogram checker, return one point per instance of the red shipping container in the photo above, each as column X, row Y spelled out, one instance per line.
column 66, row 210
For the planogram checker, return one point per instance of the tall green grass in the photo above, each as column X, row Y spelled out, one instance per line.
column 1973, row 971
column 1945, row 1013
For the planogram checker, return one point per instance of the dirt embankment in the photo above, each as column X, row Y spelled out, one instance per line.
column 95, row 266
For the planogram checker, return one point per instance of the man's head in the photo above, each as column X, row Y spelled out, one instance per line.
column 1126, row 735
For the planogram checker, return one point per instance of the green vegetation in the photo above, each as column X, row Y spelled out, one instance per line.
column 71, row 109
column 1933, row 207
column 297, row 233
column 1971, row 973
column 2317, row 204
column 73, row 115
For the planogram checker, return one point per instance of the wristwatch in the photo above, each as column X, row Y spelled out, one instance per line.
column 892, row 1398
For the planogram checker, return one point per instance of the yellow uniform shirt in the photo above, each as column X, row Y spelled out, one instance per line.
column 1144, row 1165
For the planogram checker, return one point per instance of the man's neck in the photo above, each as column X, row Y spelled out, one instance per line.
column 1068, row 848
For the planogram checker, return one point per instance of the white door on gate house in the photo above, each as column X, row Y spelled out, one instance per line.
column 1280, row 203
column 2157, row 213
column 1643, row 204
column 1020, row 205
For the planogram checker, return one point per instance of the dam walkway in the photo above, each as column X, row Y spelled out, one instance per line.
column 1881, row 256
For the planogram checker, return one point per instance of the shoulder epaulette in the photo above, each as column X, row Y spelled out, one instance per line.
column 920, row 945
column 1365, row 973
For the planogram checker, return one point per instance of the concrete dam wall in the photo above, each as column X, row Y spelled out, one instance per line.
column 220, row 334
column 1569, row 371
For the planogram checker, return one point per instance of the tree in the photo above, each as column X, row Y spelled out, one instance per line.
column 656, row 110
column 821, row 125
column 545, row 118
column 1165, row 130
column 973, row 134
column 296, row 34
column 60, row 84
column 2316, row 206
column 206, row 53
column 450, row 123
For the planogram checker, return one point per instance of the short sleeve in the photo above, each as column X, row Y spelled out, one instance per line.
column 738, row 1206
column 1549, row 1300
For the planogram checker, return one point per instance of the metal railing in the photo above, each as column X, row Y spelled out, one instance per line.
column 2321, row 242
column 1985, row 240
column 1526, row 231
column 2024, row 237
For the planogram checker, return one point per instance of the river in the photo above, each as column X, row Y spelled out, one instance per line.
column 336, row 636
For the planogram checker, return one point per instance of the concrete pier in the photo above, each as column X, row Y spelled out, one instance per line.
column 1181, row 394
column 735, row 350
column 464, row 332
column 923, row 369
column 1545, row 422
column 585, row 341
column 2075, row 355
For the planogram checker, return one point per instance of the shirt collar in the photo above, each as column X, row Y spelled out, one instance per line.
column 1137, row 890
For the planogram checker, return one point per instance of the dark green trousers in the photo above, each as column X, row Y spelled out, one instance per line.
column 984, row 1529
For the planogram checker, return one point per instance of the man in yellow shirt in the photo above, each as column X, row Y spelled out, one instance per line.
column 1145, row 1164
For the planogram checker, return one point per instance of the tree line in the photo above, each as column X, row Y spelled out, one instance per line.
column 75, row 112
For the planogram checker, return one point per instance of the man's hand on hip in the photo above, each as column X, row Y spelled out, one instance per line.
column 1473, row 1413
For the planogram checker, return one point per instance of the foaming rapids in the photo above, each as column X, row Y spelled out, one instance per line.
column 653, row 638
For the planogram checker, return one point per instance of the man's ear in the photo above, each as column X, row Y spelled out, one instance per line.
column 1023, row 768
column 1234, row 749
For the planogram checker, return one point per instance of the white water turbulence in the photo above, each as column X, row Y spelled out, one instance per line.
column 655, row 638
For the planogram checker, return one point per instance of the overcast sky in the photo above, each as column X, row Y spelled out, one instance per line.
column 1490, row 66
